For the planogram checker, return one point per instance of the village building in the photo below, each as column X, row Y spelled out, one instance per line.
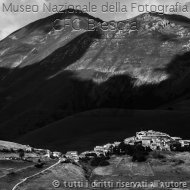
column 149, row 139
column 116, row 144
column 57, row 154
column 153, row 139
column 184, row 143
column 108, row 146
column 48, row 154
column 84, row 154
column 176, row 138
column 100, row 150
column 89, row 154
column 151, row 135
column 28, row 148
column 62, row 159
column 73, row 155
column 40, row 151
column 130, row 140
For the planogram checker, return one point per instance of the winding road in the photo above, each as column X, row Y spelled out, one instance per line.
column 25, row 179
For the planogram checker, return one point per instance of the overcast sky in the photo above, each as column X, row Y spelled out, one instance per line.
column 10, row 21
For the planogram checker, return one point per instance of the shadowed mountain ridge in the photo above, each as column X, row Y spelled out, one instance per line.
column 134, row 69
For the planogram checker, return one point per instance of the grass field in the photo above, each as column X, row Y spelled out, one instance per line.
column 21, row 171
column 61, row 172
column 9, row 145
column 171, row 167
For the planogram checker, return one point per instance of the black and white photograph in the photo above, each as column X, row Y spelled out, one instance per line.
column 94, row 94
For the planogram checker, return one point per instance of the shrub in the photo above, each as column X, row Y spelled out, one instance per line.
column 178, row 162
column 130, row 150
column 95, row 162
column 21, row 153
column 39, row 165
column 11, row 173
column 104, row 163
column 158, row 155
column 98, row 160
column 140, row 153
column 139, row 157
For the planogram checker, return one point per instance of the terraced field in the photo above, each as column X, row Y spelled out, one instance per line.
column 172, row 167
column 19, row 170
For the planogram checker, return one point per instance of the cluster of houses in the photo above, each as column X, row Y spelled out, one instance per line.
column 156, row 140
column 152, row 139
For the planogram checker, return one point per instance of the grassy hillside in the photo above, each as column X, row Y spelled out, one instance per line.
column 84, row 131
column 11, row 145
column 172, row 167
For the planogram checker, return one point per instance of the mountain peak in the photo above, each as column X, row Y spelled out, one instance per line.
column 171, row 17
column 174, row 25
column 72, row 12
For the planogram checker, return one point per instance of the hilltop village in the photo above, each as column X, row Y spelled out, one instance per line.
column 145, row 141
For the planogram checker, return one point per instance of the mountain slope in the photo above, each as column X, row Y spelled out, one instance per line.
column 86, row 130
column 75, row 71
column 39, row 39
